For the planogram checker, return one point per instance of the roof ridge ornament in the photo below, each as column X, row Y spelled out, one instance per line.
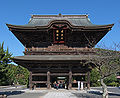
column 60, row 15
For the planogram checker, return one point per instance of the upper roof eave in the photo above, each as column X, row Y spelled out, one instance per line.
column 10, row 26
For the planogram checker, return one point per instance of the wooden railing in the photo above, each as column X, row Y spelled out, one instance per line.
column 58, row 50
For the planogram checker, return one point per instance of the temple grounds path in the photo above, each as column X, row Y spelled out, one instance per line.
column 13, row 92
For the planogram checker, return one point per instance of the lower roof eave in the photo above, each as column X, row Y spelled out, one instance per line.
column 53, row 57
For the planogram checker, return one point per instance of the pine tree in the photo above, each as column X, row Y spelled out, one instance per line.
column 5, row 59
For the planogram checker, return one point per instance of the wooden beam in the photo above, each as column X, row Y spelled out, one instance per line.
column 79, row 74
column 70, row 80
column 30, row 81
column 59, row 74
column 88, row 80
column 48, row 79
column 39, row 74
column 60, row 69
column 82, row 81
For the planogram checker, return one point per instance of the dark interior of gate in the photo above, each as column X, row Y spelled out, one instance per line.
column 65, row 73
column 57, row 48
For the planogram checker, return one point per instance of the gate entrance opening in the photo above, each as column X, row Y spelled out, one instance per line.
column 60, row 82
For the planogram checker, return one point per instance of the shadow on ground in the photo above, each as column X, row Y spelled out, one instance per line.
column 87, row 95
column 114, row 94
column 8, row 93
column 97, row 93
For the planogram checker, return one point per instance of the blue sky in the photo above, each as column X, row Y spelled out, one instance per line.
column 18, row 12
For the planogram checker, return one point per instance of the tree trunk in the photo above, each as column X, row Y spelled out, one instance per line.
column 105, row 92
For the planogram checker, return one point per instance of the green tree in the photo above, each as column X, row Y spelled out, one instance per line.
column 107, row 64
column 10, row 73
column 22, row 75
column 5, row 59
column 17, row 75
column 94, row 78
column 111, row 80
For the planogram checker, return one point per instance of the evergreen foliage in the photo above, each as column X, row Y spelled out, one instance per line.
column 5, row 59
column 111, row 80
column 17, row 75
column 10, row 73
column 94, row 78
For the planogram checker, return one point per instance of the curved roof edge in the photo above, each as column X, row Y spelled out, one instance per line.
column 53, row 57
column 46, row 21
column 25, row 27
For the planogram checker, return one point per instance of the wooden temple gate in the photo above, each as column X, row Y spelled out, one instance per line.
column 58, row 45
column 70, row 72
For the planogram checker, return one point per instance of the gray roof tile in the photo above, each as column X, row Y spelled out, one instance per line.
column 55, row 57
column 75, row 20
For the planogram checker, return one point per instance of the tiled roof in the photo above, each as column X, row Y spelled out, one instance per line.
column 43, row 20
column 55, row 57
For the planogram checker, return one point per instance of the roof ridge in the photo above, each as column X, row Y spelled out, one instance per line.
column 46, row 16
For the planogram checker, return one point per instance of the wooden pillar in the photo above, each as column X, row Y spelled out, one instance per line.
column 88, row 80
column 48, row 80
column 70, row 80
column 30, row 80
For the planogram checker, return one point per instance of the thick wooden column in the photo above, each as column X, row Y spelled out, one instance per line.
column 88, row 80
column 48, row 80
column 70, row 80
column 30, row 80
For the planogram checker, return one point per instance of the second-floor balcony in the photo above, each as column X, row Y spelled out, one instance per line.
column 58, row 50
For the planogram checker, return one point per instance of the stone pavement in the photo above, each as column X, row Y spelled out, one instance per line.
column 59, row 94
column 95, row 92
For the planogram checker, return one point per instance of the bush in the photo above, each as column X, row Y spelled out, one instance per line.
column 94, row 78
column 111, row 80
column 115, row 84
